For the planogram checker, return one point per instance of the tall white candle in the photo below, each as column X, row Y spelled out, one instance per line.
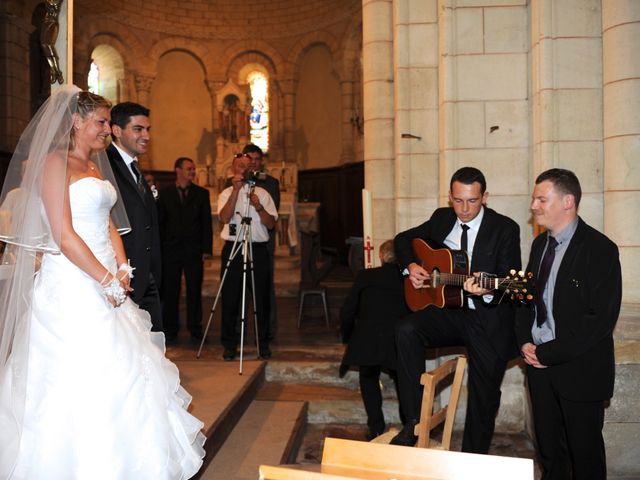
column 367, row 229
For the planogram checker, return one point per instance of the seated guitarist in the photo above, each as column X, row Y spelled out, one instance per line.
column 485, row 326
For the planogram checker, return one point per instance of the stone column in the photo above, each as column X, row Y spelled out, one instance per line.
column 143, row 88
column 377, row 71
column 416, row 141
column 566, row 69
column 621, row 81
column 621, row 85
column 349, row 115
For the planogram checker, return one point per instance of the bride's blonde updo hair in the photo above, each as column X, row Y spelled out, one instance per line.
column 87, row 104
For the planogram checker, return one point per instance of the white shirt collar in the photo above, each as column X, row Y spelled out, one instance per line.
column 473, row 224
column 125, row 156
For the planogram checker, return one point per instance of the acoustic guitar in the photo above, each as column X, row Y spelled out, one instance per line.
column 449, row 269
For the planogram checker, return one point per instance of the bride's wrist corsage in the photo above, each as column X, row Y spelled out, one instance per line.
column 127, row 270
column 114, row 290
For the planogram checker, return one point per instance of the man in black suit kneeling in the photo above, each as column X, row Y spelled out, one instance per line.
column 367, row 321
column 187, row 238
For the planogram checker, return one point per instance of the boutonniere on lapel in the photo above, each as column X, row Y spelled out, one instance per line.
column 575, row 282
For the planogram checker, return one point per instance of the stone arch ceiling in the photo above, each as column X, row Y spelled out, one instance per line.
column 223, row 19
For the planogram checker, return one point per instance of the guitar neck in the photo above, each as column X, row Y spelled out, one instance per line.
column 488, row 283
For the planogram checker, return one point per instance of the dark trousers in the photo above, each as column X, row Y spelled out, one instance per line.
column 232, row 294
column 568, row 433
column 433, row 327
column 172, row 269
column 149, row 300
column 369, row 376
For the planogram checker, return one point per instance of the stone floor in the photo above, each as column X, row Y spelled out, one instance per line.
column 313, row 340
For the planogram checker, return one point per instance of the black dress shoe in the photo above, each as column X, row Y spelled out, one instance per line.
column 371, row 435
column 406, row 436
column 265, row 353
column 229, row 354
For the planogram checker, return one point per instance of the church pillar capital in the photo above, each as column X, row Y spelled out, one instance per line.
column 143, row 87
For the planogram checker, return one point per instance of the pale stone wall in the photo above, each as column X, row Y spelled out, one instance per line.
column 178, row 128
column 377, row 47
column 318, row 122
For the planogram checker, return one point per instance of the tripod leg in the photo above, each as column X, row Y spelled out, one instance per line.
column 243, row 317
column 215, row 302
column 255, row 305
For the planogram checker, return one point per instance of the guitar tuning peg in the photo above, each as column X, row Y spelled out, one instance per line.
column 521, row 273
column 524, row 290
column 529, row 297
column 512, row 271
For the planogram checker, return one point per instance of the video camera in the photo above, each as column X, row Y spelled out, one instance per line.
column 252, row 177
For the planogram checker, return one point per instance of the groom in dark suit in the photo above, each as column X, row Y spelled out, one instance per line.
column 130, row 133
column 484, row 326
column 566, row 338
column 184, row 213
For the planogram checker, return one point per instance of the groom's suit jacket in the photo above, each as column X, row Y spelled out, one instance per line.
column 142, row 244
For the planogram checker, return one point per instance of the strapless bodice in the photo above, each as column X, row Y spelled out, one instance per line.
column 91, row 200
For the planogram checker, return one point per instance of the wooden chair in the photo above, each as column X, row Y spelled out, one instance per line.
column 447, row 414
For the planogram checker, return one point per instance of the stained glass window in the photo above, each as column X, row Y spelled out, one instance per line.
column 93, row 79
column 259, row 118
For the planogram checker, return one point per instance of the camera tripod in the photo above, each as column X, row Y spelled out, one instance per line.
column 241, row 244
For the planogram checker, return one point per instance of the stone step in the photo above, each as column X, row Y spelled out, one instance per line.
column 268, row 433
column 317, row 372
column 329, row 403
column 221, row 396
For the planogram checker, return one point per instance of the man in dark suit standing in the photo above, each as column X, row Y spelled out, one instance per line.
column 566, row 337
column 367, row 322
column 184, row 213
column 130, row 133
column 484, row 326
column 272, row 186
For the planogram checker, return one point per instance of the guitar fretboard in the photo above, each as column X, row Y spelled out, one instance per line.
column 489, row 283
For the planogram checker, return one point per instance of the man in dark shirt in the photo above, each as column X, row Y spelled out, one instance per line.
column 185, row 229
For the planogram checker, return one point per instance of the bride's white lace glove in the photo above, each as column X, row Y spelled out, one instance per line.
column 114, row 290
column 125, row 274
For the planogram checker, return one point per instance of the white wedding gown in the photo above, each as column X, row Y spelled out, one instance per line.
column 102, row 400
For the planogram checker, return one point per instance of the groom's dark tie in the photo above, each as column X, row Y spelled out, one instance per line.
column 138, row 174
column 541, row 282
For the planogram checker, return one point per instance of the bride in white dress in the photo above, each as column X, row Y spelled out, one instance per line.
column 85, row 389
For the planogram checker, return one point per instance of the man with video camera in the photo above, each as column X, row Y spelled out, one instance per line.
column 261, row 215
